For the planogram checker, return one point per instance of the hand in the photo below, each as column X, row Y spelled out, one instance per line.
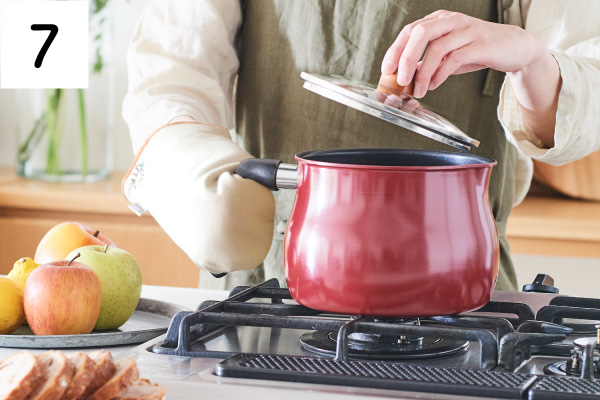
column 184, row 177
column 455, row 43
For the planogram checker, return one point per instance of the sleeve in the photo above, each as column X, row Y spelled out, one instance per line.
column 574, row 41
column 181, row 61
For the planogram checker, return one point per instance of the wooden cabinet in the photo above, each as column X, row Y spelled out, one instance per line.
column 28, row 209
column 547, row 223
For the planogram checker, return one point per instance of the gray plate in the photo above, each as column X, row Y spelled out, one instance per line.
column 150, row 319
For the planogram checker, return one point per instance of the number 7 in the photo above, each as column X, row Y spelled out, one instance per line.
column 53, row 32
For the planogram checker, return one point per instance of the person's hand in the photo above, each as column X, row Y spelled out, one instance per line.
column 184, row 177
column 454, row 43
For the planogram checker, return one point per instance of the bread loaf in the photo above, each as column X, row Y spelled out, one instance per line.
column 58, row 373
column 126, row 373
column 105, row 369
column 52, row 376
column 19, row 375
column 142, row 389
column 85, row 371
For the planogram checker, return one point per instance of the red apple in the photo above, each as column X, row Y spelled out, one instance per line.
column 65, row 237
column 62, row 298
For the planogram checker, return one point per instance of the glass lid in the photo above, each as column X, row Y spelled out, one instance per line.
column 402, row 110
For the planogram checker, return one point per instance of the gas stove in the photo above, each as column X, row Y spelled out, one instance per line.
column 259, row 342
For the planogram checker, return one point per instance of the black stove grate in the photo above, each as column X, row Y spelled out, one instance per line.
column 187, row 329
column 394, row 376
column 562, row 388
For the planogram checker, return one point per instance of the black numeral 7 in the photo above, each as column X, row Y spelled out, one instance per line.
column 53, row 32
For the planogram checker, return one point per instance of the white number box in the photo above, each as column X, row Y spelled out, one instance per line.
column 23, row 62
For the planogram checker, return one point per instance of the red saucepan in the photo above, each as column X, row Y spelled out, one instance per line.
column 386, row 232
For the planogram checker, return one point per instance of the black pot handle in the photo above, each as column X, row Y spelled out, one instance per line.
column 261, row 170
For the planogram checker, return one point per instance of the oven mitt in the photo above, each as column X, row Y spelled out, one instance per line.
column 184, row 177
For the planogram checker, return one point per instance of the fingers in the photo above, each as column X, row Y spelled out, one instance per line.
column 437, row 53
column 380, row 96
column 433, row 39
column 460, row 61
column 423, row 35
column 444, row 43
column 389, row 64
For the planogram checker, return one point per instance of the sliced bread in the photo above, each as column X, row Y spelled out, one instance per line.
column 19, row 375
column 126, row 373
column 58, row 373
column 105, row 369
column 85, row 371
column 142, row 389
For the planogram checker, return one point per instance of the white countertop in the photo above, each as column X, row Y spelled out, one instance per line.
column 185, row 297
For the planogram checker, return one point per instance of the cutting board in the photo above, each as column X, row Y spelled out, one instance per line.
column 579, row 179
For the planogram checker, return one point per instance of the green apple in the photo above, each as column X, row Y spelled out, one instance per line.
column 120, row 279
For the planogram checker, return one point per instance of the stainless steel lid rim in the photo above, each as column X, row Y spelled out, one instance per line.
column 414, row 117
column 454, row 141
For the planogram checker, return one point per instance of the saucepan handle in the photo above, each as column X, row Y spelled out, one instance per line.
column 272, row 174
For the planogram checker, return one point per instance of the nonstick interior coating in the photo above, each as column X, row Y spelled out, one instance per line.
column 394, row 157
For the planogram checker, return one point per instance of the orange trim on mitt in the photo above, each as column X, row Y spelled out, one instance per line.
column 146, row 142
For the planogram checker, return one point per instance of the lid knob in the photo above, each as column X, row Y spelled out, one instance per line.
column 388, row 84
column 543, row 283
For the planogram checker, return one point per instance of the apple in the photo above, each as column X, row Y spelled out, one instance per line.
column 121, row 281
column 63, row 238
column 62, row 298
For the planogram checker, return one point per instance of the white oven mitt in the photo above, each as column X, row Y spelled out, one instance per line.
column 184, row 177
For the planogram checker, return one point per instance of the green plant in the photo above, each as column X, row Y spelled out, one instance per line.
column 51, row 122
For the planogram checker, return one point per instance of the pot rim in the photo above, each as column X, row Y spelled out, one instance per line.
column 475, row 161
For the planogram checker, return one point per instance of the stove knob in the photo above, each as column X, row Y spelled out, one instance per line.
column 543, row 283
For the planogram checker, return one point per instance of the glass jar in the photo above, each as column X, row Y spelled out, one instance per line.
column 65, row 135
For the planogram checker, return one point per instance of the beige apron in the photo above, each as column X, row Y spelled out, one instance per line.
column 277, row 118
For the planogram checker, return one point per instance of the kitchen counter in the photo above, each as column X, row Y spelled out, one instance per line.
column 185, row 297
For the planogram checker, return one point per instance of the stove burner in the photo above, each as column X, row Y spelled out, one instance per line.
column 579, row 313
column 361, row 339
column 582, row 327
column 572, row 367
column 370, row 339
column 388, row 347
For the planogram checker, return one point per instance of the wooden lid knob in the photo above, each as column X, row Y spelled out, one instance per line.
column 388, row 84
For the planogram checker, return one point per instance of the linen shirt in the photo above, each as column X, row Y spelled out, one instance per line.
column 192, row 72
